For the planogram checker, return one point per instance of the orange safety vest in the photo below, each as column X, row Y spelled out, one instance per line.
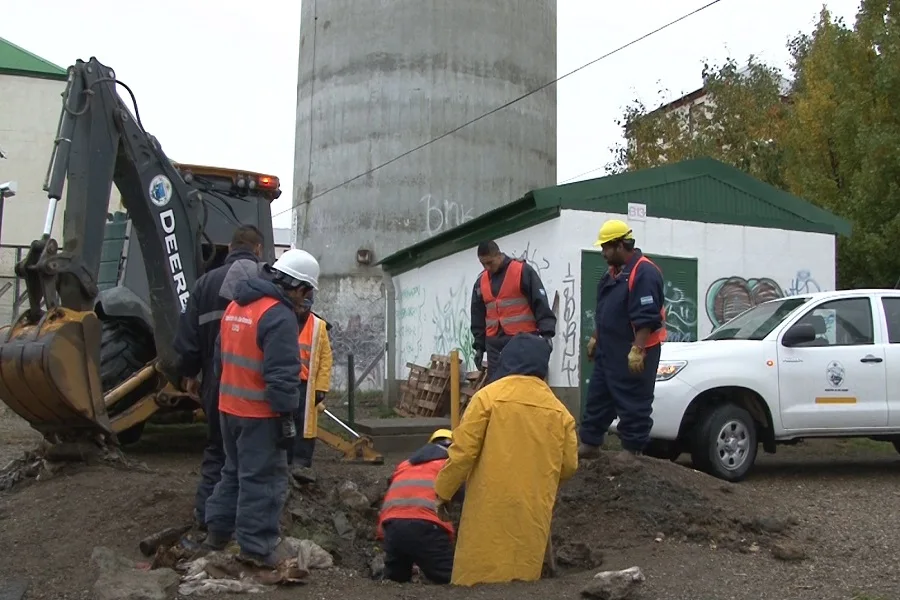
column 510, row 308
column 242, row 390
column 306, row 342
column 658, row 336
column 411, row 495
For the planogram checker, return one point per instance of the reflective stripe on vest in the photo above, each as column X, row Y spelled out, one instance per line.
column 212, row 316
column 658, row 336
column 510, row 309
column 306, row 346
column 242, row 389
column 411, row 495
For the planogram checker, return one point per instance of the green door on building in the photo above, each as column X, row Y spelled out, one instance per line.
column 680, row 275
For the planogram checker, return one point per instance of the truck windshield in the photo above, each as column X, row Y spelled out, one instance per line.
column 758, row 322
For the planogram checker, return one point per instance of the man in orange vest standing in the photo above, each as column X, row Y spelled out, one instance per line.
column 629, row 328
column 509, row 298
column 409, row 525
column 259, row 364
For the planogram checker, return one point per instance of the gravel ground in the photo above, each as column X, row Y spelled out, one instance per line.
column 843, row 494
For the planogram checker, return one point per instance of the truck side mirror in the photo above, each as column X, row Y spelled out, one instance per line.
column 801, row 333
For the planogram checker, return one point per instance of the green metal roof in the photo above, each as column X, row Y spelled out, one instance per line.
column 18, row 61
column 702, row 190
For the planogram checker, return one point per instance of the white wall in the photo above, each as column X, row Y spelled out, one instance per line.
column 29, row 114
column 432, row 307
column 28, row 120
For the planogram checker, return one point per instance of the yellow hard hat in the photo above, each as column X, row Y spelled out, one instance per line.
column 612, row 230
column 441, row 433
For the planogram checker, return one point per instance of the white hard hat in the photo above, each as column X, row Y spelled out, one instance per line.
column 299, row 265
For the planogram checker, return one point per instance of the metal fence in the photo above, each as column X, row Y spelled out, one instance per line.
column 12, row 289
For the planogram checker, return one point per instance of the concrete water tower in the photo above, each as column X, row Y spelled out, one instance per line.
column 380, row 77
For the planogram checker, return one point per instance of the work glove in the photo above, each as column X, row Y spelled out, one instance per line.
column 320, row 396
column 479, row 360
column 591, row 347
column 636, row 360
column 442, row 508
column 287, row 431
column 320, row 407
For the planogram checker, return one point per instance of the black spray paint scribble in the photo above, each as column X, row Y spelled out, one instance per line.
column 540, row 264
column 570, row 329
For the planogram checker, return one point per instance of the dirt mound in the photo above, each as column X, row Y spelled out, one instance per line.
column 619, row 501
column 339, row 514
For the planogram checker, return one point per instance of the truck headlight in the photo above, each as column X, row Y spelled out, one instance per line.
column 668, row 369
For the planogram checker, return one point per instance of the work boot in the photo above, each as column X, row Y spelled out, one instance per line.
column 303, row 474
column 588, row 451
column 215, row 541
column 280, row 554
column 199, row 522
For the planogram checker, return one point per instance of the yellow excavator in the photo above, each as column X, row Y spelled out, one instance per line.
column 92, row 355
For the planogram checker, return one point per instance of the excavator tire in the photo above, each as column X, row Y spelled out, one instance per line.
column 125, row 348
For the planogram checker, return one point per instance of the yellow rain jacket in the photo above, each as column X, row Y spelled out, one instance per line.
column 319, row 373
column 515, row 444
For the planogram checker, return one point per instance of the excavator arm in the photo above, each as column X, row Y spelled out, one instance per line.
column 49, row 360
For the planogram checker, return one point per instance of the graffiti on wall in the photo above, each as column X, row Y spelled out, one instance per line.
column 440, row 216
column 537, row 261
column 681, row 314
column 569, row 328
column 363, row 338
column 451, row 320
column 410, row 320
column 728, row 297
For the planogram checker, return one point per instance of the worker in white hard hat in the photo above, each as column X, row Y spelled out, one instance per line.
column 412, row 529
column 259, row 364
column 315, row 370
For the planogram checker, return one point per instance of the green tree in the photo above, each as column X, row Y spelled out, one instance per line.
column 741, row 124
column 842, row 139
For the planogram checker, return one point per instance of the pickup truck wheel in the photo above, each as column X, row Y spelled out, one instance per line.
column 896, row 445
column 725, row 443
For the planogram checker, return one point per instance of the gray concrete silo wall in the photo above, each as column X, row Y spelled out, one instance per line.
column 380, row 77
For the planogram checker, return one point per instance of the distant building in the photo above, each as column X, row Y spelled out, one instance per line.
column 691, row 103
column 30, row 89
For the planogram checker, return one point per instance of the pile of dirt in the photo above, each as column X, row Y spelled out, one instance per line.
column 339, row 513
column 619, row 501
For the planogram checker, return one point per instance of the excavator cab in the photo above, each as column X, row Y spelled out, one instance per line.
column 92, row 356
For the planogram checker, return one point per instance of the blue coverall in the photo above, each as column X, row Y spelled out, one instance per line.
column 613, row 390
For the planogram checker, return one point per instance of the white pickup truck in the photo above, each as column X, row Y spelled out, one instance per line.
column 813, row 365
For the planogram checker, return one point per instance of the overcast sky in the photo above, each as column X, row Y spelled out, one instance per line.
column 216, row 80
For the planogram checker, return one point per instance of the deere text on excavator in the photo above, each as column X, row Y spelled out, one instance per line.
column 89, row 361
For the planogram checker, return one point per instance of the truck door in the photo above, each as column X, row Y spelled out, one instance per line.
column 838, row 381
column 891, row 305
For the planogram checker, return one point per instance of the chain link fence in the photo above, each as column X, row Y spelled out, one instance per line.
column 12, row 289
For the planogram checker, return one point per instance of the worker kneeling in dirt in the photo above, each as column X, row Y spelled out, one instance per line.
column 412, row 531
column 315, row 381
column 258, row 359
column 515, row 444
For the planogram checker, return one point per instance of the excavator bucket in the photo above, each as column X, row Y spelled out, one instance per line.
column 49, row 374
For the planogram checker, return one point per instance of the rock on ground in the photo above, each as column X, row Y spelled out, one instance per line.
column 613, row 585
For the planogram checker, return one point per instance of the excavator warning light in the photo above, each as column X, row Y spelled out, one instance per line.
column 268, row 182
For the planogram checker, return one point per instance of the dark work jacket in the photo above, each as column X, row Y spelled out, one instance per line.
column 532, row 288
column 198, row 326
column 619, row 313
column 278, row 336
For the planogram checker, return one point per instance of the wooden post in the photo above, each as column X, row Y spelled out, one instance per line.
column 454, row 389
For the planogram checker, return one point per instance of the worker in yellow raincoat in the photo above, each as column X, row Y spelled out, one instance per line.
column 515, row 444
column 315, row 381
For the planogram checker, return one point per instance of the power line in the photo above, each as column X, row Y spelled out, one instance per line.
column 502, row 106
column 594, row 170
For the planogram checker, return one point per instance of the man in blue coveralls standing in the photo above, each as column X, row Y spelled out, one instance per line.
column 629, row 328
